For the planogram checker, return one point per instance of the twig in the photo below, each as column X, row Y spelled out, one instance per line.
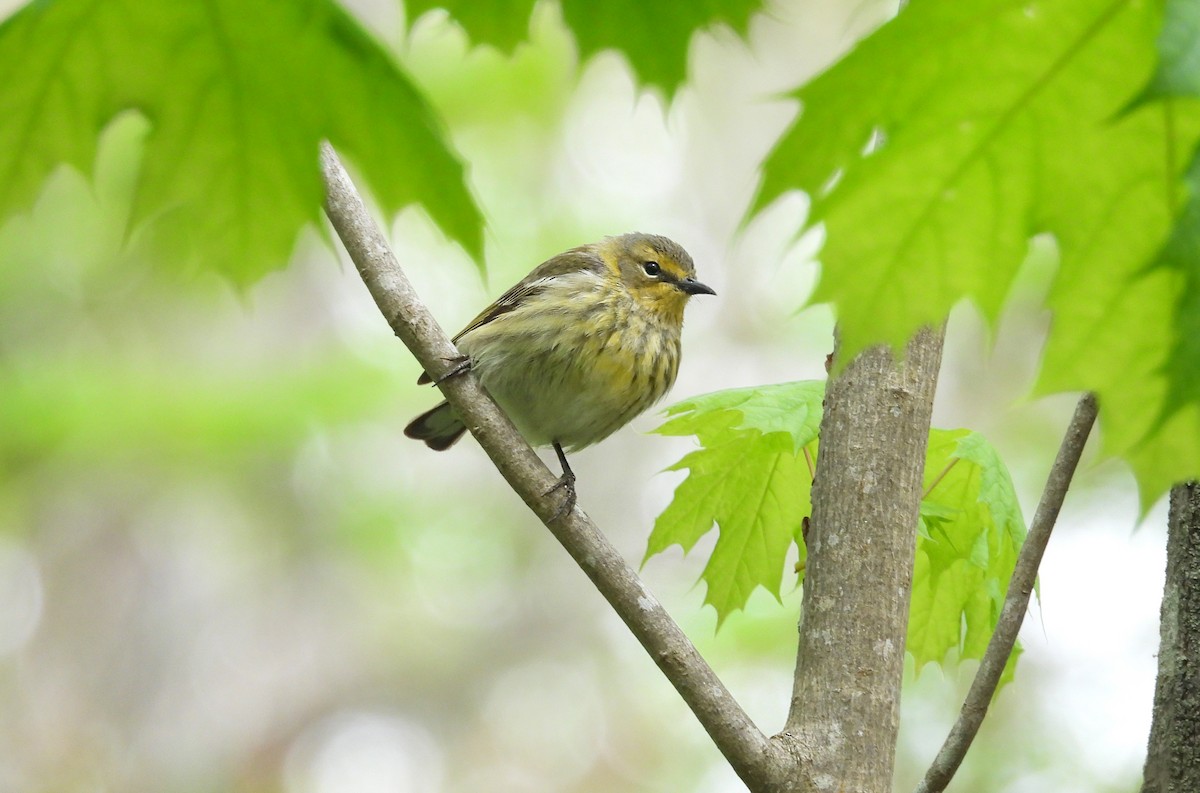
column 752, row 756
column 1015, row 603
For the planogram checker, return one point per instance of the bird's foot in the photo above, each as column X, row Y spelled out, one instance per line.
column 461, row 363
column 565, row 483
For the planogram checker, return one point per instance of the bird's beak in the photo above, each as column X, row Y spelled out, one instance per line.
column 690, row 286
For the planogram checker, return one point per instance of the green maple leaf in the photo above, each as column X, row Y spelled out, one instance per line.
column 966, row 552
column 501, row 23
column 238, row 96
column 943, row 209
column 1116, row 329
column 750, row 479
column 653, row 35
column 1168, row 452
column 978, row 155
column 1178, row 75
column 1154, row 421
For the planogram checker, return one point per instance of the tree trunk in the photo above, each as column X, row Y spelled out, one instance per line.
column 1173, row 758
column 845, row 704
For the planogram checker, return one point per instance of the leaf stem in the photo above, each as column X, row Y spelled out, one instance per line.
column 938, row 479
column 1015, row 603
column 812, row 468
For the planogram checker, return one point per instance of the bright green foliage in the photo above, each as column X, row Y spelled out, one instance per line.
column 971, row 531
column 976, row 155
column 945, row 205
column 501, row 23
column 137, row 411
column 1171, row 446
column 1169, row 377
column 1114, row 326
column 750, row 479
column 1181, row 255
column 652, row 34
column 238, row 96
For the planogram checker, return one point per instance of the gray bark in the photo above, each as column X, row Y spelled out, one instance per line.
column 1173, row 758
column 845, row 704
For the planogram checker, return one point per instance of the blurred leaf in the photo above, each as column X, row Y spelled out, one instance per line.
column 1115, row 325
column 749, row 479
column 1181, row 255
column 501, row 23
column 653, row 35
column 238, row 97
column 950, row 197
column 101, row 409
column 968, row 157
column 966, row 555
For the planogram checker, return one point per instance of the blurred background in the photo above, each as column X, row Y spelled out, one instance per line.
column 222, row 566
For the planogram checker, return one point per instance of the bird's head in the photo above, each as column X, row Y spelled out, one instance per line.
column 655, row 271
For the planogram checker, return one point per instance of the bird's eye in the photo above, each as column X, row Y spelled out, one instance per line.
column 652, row 269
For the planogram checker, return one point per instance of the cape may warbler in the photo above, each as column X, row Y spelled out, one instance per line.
column 577, row 349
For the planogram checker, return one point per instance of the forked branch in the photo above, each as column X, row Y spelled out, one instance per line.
column 752, row 756
column 1015, row 603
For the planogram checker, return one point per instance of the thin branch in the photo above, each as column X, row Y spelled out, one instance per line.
column 752, row 756
column 1015, row 603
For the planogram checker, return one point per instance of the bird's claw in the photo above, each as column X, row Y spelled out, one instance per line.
column 566, row 483
column 462, row 363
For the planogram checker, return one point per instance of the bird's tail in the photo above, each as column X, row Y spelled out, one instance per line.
column 439, row 427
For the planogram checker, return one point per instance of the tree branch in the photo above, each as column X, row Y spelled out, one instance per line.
column 1015, row 603
column 752, row 756
column 845, row 708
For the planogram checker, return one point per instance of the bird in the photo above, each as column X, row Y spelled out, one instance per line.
column 587, row 341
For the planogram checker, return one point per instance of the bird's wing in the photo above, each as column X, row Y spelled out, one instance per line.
column 542, row 277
